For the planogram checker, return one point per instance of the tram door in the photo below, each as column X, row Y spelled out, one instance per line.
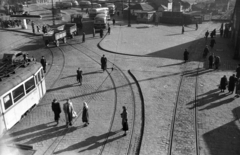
column 39, row 85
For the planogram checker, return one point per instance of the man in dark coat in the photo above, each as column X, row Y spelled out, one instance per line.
column 210, row 60
column 217, row 62
column 124, row 120
column 79, row 76
column 68, row 110
column 238, row 71
column 85, row 115
column 221, row 32
column 185, row 55
column 109, row 30
column 205, row 51
column 103, row 63
column 101, row 33
column 206, row 35
column 232, row 82
column 83, row 37
column 44, row 63
column 113, row 21
column 182, row 29
column 56, row 109
column 212, row 43
column 223, row 83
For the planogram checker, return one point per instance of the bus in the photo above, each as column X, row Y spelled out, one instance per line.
column 19, row 92
column 93, row 12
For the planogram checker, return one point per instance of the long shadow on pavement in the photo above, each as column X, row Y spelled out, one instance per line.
column 92, row 142
column 224, row 140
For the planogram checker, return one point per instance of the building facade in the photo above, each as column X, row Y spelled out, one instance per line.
column 235, row 37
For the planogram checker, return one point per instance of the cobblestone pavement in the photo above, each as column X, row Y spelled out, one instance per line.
column 158, row 70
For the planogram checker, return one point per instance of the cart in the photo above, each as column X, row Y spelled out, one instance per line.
column 54, row 37
column 71, row 29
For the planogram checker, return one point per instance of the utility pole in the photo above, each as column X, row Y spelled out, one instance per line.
column 129, row 14
column 53, row 14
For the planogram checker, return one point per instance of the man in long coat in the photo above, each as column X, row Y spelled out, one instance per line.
column 44, row 63
column 223, row 83
column 232, row 82
column 210, row 60
column 79, row 76
column 85, row 115
column 68, row 110
column 103, row 63
column 212, row 43
column 217, row 62
column 124, row 120
column 185, row 55
column 56, row 109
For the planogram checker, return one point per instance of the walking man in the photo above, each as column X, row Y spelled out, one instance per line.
column 83, row 37
column 223, row 83
column 101, row 33
column 44, row 63
column 68, row 110
column 103, row 63
column 85, row 115
column 56, row 110
column 212, row 43
column 124, row 120
column 217, row 62
column 232, row 82
column 182, row 29
column 206, row 35
column 185, row 55
column 210, row 59
column 79, row 76
column 205, row 51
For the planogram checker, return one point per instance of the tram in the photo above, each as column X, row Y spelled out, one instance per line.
column 19, row 92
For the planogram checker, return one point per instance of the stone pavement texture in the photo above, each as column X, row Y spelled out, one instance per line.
column 156, row 62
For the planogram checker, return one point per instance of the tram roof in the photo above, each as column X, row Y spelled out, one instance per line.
column 21, row 75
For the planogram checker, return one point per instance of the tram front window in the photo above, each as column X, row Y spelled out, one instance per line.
column 30, row 85
column 7, row 100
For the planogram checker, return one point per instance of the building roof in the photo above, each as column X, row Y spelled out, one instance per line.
column 142, row 6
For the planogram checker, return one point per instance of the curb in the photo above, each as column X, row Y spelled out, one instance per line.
column 143, row 112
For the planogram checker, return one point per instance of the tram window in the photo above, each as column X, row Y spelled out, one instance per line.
column 36, row 77
column 29, row 85
column 42, row 73
column 7, row 100
column 18, row 93
column 39, row 76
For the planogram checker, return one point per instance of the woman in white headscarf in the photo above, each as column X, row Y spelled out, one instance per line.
column 85, row 116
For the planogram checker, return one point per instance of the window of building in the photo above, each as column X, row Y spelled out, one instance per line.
column 30, row 85
column 7, row 100
column 18, row 93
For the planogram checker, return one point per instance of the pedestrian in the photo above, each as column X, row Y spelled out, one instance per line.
column 68, row 110
column 238, row 71
column 79, row 76
column 223, row 83
column 44, row 64
column 212, row 34
column 221, row 32
column 210, row 60
column 85, row 115
column 231, row 84
column 205, row 51
column 33, row 27
column 103, row 63
column 196, row 25
column 212, row 43
column 124, row 120
column 109, row 30
column 217, row 62
column 101, row 33
column 206, row 35
column 38, row 29
column 185, row 55
column 182, row 29
column 83, row 37
column 238, row 87
column 113, row 21
column 56, row 110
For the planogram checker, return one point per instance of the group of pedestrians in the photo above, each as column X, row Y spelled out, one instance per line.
column 10, row 23
column 69, row 112
column 214, row 61
column 231, row 84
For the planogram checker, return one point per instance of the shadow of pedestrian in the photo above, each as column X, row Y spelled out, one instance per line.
column 92, row 142
column 180, row 63
column 225, row 139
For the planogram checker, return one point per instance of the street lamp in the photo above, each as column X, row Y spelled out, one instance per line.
column 53, row 14
column 129, row 13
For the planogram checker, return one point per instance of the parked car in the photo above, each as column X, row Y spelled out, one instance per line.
column 84, row 4
column 75, row 3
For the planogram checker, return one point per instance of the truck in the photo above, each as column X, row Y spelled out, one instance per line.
column 54, row 36
column 100, row 22
column 71, row 29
